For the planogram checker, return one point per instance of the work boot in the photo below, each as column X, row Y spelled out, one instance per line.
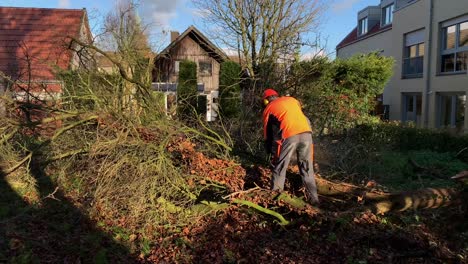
column 312, row 200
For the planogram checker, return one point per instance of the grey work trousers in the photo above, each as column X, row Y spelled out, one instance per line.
column 300, row 145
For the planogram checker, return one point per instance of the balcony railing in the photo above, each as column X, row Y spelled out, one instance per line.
column 413, row 67
column 164, row 87
column 172, row 87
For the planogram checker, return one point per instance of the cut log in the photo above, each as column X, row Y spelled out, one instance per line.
column 430, row 198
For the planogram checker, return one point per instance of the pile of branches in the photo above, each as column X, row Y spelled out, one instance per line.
column 153, row 174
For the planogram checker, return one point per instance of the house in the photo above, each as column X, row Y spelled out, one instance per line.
column 429, row 41
column 34, row 43
column 104, row 65
column 194, row 46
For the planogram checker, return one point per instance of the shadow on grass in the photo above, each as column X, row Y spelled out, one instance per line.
column 55, row 231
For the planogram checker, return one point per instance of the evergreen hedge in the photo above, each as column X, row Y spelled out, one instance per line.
column 187, row 88
column 229, row 89
column 397, row 137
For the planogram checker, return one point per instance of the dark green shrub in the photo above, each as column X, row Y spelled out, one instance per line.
column 229, row 89
column 396, row 170
column 396, row 137
column 187, row 88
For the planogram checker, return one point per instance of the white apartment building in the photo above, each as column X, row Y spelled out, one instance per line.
column 429, row 41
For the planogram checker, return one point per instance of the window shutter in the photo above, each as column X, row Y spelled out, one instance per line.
column 414, row 38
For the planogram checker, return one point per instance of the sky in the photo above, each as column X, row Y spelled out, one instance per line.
column 338, row 19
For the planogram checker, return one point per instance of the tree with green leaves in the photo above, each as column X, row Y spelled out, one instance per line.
column 341, row 93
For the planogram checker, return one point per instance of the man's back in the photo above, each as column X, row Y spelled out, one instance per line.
column 285, row 113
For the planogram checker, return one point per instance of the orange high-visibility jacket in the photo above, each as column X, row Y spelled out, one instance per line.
column 283, row 118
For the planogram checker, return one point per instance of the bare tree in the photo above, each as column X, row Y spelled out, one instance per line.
column 263, row 31
column 125, row 45
column 124, row 29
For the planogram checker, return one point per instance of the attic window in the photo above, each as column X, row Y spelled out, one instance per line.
column 205, row 68
column 363, row 23
column 387, row 14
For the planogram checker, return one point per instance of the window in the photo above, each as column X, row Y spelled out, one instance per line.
column 387, row 14
column 463, row 38
column 454, row 55
column 413, row 55
column 205, row 69
column 200, row 87
column 363, row 23
column 451, row 110
column 176, row 66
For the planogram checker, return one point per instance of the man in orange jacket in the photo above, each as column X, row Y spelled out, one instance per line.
column 287, row 132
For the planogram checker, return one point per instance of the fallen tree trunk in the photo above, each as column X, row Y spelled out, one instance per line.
column 430, row 198
column 377, row 202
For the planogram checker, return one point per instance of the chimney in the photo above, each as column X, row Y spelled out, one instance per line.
column 174, row 35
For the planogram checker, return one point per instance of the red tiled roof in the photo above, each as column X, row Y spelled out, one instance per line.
column 37, row 37
column 353, row 36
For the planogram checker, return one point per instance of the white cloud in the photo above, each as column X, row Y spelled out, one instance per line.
column 343, row 5
column 63, row 3
column 197, row 13
column 230, row 52
column 313, row 54
column 159, row 12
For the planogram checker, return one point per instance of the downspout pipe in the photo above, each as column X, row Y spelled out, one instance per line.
column 429, row 63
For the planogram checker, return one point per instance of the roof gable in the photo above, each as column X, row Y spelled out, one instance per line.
column 353, row 37
column 201, row 40
column 37, row 38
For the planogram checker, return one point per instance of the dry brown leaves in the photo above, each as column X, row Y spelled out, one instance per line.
column 225, row 172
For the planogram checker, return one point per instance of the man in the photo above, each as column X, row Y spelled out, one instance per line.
column 287, row 132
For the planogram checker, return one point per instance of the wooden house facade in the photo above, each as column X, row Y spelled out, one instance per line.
column 194, row 46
